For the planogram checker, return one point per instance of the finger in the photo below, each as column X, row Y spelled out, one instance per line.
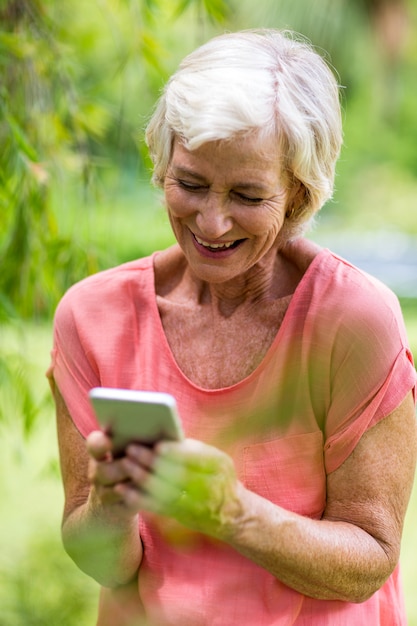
column 173, row 471
column 163, row 491
column 134, row 499
column 137, row 474
column 193, row 454
column 142, row 455
column 99, row 445
column 109, row 495
column 150, row 460
column 151, row 483
column 107, row 473
column 155, row 500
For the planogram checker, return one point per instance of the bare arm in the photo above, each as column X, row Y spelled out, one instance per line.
column 350, row 553
column 347, row 555
column 99, row 533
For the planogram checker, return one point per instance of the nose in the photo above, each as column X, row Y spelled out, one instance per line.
column 213, row 217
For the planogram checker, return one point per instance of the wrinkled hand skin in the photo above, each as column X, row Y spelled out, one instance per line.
column 189, row 481
column 105, row 473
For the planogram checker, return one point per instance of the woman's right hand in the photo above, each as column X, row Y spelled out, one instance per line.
column 105, row 472
column 99, row 532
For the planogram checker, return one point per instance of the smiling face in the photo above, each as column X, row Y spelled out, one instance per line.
column 226, row 202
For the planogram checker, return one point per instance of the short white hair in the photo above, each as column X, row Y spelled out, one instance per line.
column 263, row 82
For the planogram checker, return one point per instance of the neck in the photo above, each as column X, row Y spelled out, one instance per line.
column 268, row 280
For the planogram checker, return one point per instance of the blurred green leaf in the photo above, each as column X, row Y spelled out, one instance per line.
column 218, row 10
column 7, row 312
column 93, row 118
column 15, row 44
column 182, row 6
column 20, row 137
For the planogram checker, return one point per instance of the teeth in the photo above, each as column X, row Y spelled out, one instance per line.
column 213, row 245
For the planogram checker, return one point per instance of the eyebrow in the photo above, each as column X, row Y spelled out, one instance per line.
column 179, row 170
column 184, row 171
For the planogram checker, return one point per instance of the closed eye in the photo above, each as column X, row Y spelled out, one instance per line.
column 190, row 186
column 248, row 199
column 195, row 187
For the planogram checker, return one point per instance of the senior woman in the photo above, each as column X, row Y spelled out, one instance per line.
column 285, row 502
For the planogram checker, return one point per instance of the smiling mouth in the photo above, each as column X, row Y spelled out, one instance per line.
column 218, row 247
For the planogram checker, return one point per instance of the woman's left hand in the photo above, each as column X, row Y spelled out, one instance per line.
column 190, row 481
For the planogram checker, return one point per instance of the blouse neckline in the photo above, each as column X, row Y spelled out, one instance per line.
column 298, row 294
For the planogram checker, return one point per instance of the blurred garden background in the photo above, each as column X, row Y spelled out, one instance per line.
column 78, row 80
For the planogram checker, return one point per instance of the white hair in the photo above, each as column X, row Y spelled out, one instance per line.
column 262, row 82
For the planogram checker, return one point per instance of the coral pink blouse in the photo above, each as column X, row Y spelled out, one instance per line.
column 339, row 364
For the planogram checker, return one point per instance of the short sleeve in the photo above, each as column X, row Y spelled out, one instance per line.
column 71, row 370
column 98, row 328
column 372, row 368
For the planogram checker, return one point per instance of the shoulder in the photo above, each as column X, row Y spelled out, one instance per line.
column 114, row 278
column 352, row 294
column 107, row 290
column 348, row 312
column 359, row 320
column 332, row 288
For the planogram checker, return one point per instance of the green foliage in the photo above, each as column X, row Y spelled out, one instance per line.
column 78, row 81
column 18, row 393
column 42, row 122
column 216, row 10
column 44, row 587
column 38, row 583
column 66, row 75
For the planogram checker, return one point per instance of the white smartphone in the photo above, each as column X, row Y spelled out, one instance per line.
column 136, row 416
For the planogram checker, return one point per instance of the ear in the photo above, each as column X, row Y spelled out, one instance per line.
column 296, row 197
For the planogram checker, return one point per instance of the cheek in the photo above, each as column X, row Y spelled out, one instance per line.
column 265, row 222
column 177, row 205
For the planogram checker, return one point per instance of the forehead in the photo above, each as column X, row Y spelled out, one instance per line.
column 244, row 158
